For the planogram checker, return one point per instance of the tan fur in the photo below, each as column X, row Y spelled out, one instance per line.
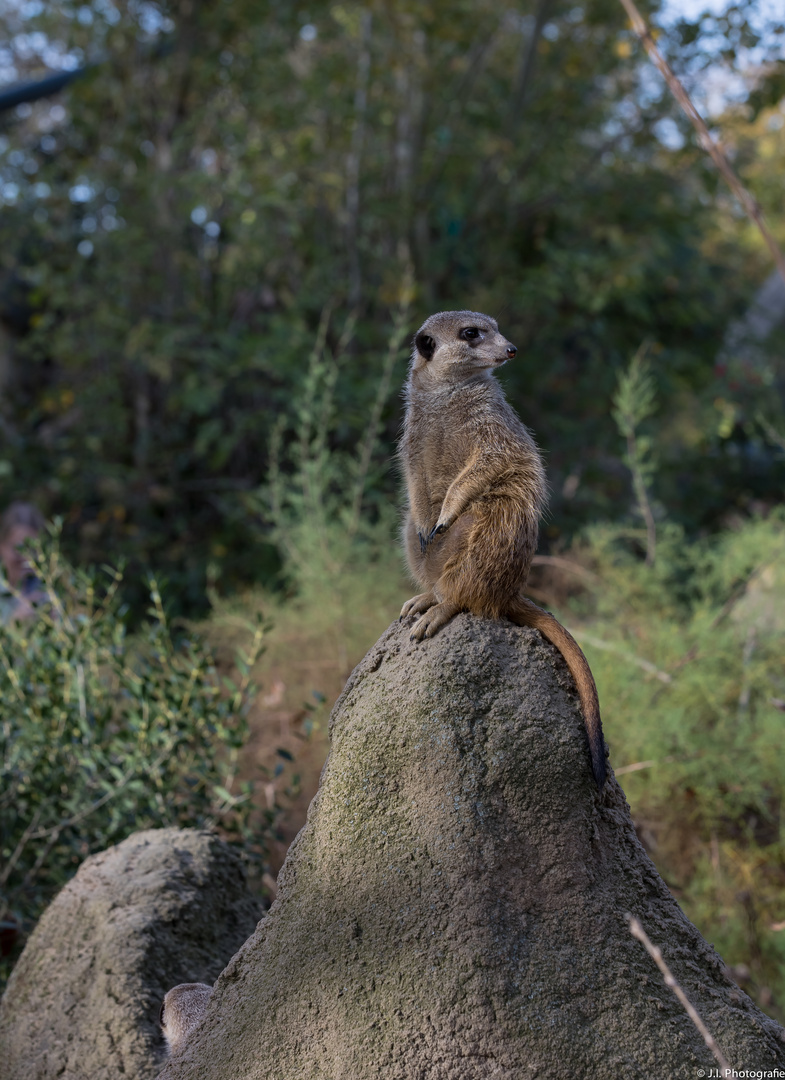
column 182, row 1011
column 476, row 490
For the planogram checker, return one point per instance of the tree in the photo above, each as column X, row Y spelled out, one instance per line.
column 224, row 173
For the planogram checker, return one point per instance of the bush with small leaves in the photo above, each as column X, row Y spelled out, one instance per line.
column 103, row 733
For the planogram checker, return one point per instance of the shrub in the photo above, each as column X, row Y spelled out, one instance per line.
column 103, row 733
column 686, row 645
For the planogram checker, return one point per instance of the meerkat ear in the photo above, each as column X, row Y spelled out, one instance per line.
column 425, row 346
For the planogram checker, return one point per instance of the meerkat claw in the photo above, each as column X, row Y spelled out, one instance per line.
column 418, row 604
column 419, row 629
column 435, row 617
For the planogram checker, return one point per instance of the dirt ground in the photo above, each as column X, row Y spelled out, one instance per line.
column 279, row 722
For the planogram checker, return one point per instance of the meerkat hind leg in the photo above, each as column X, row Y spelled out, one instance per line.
column 418, row 604
column 434, row 619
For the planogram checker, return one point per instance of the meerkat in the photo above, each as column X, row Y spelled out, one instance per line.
column 476, row 491
column 182, row 1009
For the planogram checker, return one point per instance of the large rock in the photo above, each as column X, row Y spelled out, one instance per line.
column 165, row 906
column 454, row 907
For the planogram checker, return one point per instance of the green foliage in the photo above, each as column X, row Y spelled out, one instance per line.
column 102, row 734
column 224, row 173
column 317, row 497
column 342, row 572
column 633, row 402
column 687, row 654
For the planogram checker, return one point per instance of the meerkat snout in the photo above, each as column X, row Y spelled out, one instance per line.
column 182, row 1010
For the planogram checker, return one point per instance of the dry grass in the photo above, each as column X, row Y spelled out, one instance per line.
column 314, row 642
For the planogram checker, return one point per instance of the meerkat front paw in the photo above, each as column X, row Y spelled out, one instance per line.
column 434, row 619
column 418, row 604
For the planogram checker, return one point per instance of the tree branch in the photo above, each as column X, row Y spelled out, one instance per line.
column 638, row 932
column 748, row 203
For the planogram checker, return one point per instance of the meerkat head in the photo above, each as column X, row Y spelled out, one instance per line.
column 182, row 1009
column 457, row 344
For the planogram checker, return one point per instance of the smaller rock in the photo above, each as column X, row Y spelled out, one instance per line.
column 166, row 906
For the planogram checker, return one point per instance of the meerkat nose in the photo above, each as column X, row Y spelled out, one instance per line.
column 511, row 351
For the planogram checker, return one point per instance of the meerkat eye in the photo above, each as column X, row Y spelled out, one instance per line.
column 470, row 333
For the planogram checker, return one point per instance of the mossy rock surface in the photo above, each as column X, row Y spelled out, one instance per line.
column 165, row 906
column 455, row 906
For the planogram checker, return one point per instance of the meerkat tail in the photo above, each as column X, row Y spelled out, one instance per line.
column 526, row 613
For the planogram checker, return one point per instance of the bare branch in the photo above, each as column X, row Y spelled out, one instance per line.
column 567, row 564
column 638, row 932
column 26, row 835
column 608, row 646
column 748, row 203
column 635, row 767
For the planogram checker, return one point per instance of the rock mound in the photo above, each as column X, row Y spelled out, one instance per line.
column 163, row 907
column 454, row 907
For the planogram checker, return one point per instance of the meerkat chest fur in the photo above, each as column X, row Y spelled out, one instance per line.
column 440, row 436
column 448, row 430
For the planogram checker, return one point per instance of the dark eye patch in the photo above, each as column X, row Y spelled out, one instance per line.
column 425, row 346
column 472, row 334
